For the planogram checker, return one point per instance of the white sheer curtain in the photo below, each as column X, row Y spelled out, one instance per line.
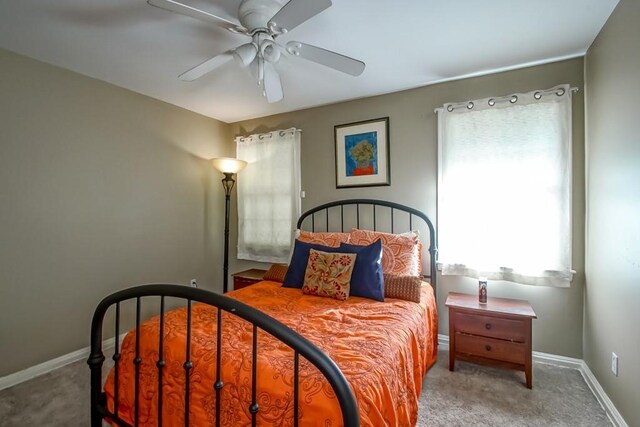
column 504, row 195
column 268, row 195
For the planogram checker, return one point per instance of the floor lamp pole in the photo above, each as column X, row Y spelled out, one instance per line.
column 227, row 183
column 228, row 166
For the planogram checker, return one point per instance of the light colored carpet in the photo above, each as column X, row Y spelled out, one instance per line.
column 477, row 395
column 471, row 396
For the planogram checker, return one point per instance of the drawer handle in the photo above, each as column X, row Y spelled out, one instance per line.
column 487, row 347
column 487, row 326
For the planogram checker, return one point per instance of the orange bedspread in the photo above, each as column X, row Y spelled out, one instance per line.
column 383, row 348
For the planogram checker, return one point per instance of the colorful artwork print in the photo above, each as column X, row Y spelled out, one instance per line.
column 361, row 154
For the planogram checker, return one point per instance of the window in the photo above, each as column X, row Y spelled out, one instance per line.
column 268, row 195
column 504, row 192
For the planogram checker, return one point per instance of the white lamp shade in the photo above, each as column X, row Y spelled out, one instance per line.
column 228, row 164
column 269, row 51
column 246, row 53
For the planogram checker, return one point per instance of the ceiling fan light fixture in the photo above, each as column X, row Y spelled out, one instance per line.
column 269, row 51
column 246, row 53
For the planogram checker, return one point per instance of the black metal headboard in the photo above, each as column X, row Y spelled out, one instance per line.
column 377, row 214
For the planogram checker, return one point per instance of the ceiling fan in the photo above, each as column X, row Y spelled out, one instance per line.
column 263, row 21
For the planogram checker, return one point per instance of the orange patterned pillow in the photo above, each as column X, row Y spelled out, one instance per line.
column 402, row 287
column 276, row 273
column 328, row 274
column 400, row 252
column 325, row 238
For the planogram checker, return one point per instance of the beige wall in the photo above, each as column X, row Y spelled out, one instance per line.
column 100, row 189
column 612, row 290
column 558, row 329
column 106, row 188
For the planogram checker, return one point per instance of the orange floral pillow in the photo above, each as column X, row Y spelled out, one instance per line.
column 325, row 238
column 400, row 252
column 328, row 274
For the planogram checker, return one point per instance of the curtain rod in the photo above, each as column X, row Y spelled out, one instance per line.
column 512, row 98
column 282, row 132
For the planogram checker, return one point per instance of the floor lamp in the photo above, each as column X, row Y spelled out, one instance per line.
column 228, row 166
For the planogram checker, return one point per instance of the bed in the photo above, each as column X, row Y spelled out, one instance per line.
column 286, row 358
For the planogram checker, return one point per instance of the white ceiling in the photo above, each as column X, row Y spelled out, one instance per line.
column 405, row 44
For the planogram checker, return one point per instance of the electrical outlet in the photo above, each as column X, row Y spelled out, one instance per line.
column 614, row 364
column 193, row 283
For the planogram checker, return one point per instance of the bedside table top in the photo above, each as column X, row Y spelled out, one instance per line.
column 516, row 307
column 253, row 273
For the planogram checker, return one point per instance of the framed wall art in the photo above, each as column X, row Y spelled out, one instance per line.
column 362, row 153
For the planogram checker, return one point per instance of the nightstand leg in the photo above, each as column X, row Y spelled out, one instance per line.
column 528, row 364
column 452, row 342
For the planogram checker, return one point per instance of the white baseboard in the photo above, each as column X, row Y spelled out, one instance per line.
column 603, row 399
column 50, row 365
column 572, row 363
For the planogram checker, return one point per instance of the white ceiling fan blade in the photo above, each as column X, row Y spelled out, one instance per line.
column 327, row 58
column 295, row 12
column 207, row 66
column 183, row 9
column 272, row 83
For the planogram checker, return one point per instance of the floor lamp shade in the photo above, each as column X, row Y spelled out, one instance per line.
column 228, row 166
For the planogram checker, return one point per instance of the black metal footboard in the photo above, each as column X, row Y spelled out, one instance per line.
column 300, row 345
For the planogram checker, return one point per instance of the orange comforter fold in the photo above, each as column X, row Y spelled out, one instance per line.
column 383, row 348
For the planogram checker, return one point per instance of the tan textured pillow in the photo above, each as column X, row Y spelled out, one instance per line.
column 328, row 274
column 276, row 273
column 402, row 287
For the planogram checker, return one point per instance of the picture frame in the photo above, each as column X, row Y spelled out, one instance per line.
column 362, row 154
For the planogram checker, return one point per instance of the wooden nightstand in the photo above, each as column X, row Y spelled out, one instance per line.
column 497, row 333
column 247, row 278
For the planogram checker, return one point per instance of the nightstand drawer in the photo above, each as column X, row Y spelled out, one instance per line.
column 488, row 326
column 491, row 348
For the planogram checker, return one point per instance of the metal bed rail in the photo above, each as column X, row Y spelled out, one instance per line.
column 300, row 345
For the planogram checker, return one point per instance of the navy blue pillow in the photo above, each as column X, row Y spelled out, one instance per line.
column 298, row 265
column 367, row 280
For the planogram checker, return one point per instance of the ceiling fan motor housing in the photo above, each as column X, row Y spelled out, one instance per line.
column 257, row 13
